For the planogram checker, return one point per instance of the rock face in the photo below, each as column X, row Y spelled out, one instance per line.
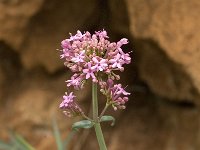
column 14, row 18
column 169, row 54
column 36, row 28
column 49, row 27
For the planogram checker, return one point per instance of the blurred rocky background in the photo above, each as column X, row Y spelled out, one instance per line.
column 164, row 77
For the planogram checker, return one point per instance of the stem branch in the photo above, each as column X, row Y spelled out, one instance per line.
column 86, row 117
column 103, row 111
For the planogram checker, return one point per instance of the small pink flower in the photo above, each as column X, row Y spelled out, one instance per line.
column 100, row 64
column 79, row 57
column 65, row 44
column 117, row 62
column 119, row 90
column 76, row 81
column 78, row 36
column 102, row 34
column 122, row 42
column 67, row 101
column 126, row 58
column 89, row 71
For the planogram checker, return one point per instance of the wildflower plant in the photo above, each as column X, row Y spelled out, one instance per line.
column 94, row 57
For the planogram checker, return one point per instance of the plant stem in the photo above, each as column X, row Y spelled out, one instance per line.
column 97, row 125
column 94, row 102
column 86, row 117
column 100, row 138
column 103, row 111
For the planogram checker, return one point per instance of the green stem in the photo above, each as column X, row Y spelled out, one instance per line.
column 100, row 138
column 86, row 117
column 104, row 110
column 94, row 102
column 97, row 125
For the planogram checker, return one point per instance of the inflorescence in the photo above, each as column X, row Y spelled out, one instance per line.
column 93, row 56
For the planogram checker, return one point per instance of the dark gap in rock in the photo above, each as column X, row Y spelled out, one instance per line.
column 10, row 68
column 101, row 19
column 139, row 87
column 10, row 61
column 184, row 104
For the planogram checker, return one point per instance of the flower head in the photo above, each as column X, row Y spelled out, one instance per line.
column 91, row 54
column 69, row 106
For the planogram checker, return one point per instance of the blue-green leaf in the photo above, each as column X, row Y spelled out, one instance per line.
column 86, row 124
column 108, row 118
column 5, row 146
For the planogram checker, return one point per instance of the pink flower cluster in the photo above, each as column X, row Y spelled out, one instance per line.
column 89, row 55
column 116, row 95
column 69, row 105
column 93, row 56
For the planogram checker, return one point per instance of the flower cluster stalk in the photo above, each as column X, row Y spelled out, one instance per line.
column 97, row 126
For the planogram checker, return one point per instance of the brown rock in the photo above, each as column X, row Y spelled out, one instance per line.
column 14, row 18
column 36, row 28
column 50, row 26
column 169, row 56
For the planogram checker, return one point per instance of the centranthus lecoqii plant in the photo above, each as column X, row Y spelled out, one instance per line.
column 94, row 57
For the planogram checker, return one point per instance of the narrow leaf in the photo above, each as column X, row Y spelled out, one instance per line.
column 108, row 118
column 26, row 145
column 68, row 139
column 57, row 136
column 19, row 142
